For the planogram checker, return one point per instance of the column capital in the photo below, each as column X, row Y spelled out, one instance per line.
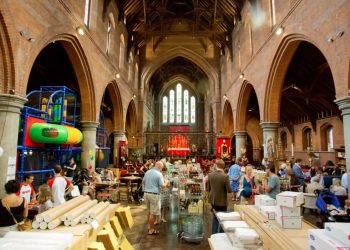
column 270, row 125
column 119, row 132
column 240, row 133
column 12, row 103
column 344, row 105
column 89, row 125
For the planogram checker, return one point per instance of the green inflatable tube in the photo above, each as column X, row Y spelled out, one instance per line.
column 48, row 133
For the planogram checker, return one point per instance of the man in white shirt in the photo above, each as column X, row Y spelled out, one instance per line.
column 26, row 190
column 58, row 185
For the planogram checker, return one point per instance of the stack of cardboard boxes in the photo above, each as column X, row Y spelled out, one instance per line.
column 334, row 236
column 288, row 210
column 266, row 206
column 238, row 234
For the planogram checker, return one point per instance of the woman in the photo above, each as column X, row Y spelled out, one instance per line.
column 248, row 185
column 45, row 198
column 17, row 205
column 337, row 189
column 234, row 174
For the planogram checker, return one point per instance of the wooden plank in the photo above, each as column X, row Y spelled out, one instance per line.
column 271, row 233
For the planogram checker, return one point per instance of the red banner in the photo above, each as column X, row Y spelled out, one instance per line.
column 183, row 128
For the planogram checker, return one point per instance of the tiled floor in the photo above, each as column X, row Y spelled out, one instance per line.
column 167, row 239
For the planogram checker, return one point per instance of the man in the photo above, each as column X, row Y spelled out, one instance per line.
column 60, row 186
column 315, row 184
column 26, row 190
column 234, row 174
column 153, row 182
column 298, row 173
column 219, row 186
column 272, row 184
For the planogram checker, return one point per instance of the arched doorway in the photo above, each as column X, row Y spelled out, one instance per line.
column 248, row 119
column 132, row 134
column 305, row 86
column 59, row 85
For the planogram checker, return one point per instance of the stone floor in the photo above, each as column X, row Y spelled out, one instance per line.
column 167, row 239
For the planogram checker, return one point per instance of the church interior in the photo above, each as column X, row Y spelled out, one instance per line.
column 114, row 83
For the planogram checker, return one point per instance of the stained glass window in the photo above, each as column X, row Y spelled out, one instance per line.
column 186, row 106
column 193, row 109
column 177, row 107
column 172, row 106
column 178, row 103
column 165, row 109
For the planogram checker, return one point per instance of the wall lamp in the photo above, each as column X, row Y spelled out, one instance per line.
column 225, row 97
column 80, row 30
column 241, row 76
column 133, row 96
column 279, row 30
column 117, row 75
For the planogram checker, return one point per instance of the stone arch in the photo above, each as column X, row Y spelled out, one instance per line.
column 186, row 53
column 81, row 68
column 227, row 119
column 131, row 119
column 7, row 72
column 116, row 99
column 277, row 72
column 242, row 104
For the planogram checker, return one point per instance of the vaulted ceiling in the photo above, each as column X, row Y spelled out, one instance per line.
column 146, row 19
column 183, row 67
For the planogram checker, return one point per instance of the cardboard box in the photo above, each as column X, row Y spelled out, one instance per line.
column 319, row 240
column 290, row 199
column 288, row 211
column 338, row 231
column 264, row 200
column 231, row 226
column 289, row 222
column 268, row 211
column 247, row 235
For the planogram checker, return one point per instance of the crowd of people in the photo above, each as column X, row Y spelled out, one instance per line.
column 239, row 180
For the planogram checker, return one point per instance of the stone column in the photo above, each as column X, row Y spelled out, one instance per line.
column 241, row 142
column 10, row 109
column 88, row 145
column 119, row 135
column 344, row 106
column 270, row 135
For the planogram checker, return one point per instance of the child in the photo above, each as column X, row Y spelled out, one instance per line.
column 44, row 198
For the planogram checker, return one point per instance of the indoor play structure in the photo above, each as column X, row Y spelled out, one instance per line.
column 47, row 133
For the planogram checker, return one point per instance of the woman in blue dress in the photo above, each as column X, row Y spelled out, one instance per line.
column 248, row 185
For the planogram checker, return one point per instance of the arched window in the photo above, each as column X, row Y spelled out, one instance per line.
column 165, row 109
column 180, row 108
column 131, row 60
column 121, row 51
column 186, row 110
column 330, row 145
column 109, row 29
column 178, row 103
column 136, row 78
column 172, row 106
column 87, row 12
column 307, row 138
column 193, row 109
